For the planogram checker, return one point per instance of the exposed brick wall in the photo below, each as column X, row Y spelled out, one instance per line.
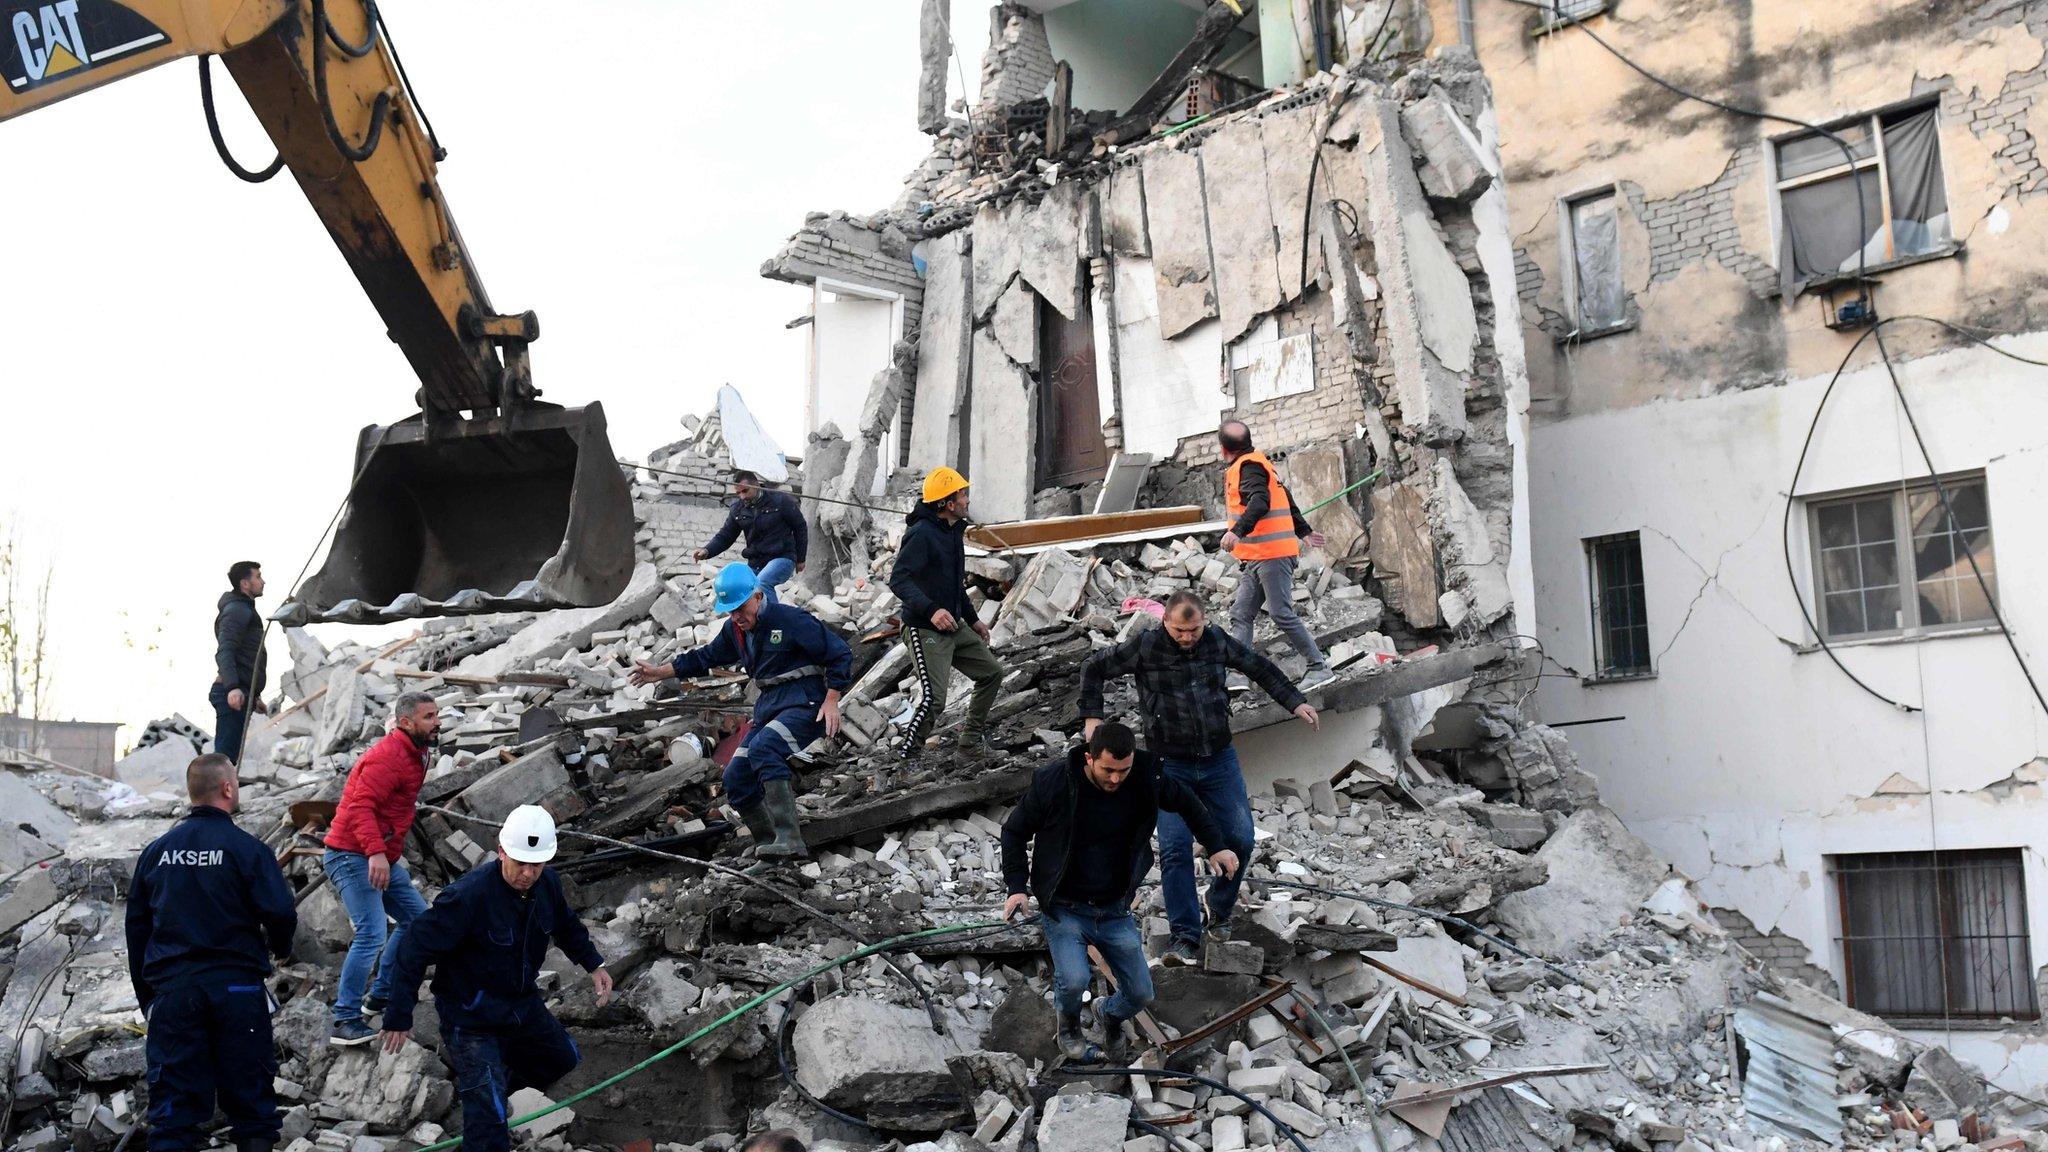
column 839, row 247
column 1780, row 953
column 2006, row 116
column 1018, row 64
column 1329, row 411
column 1698, row 225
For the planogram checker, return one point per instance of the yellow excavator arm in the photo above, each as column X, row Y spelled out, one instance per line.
column 486, row 499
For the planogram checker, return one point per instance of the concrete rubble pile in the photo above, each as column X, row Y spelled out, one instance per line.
column 1376, row 990
column 1644, row 988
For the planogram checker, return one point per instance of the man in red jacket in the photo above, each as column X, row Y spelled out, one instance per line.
column 365, row 859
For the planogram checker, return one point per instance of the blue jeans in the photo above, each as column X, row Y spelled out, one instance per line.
column 1220, row 784
column 490, row 1066
column 1069, row 930
column 774, row 574
column 349, row 872
column 765, row 755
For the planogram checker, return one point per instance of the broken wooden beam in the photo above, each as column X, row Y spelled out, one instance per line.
column 1211, row 31
column 1069, row 529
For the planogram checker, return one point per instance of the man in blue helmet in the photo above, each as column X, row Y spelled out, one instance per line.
column 800, row 667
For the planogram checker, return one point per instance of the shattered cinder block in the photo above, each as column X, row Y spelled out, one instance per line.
column 856, row 1052
column 1085, row 1123
column 1453, row 167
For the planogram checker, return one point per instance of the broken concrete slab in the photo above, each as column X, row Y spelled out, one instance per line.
column 1014, row 324
column 935, row 55
column 1004, row 432
column 853, row 1052
column 1429, row 318
column 1242, row 242
column 1123, row 213
column 37, row 829
column 1286, row 137
column 1453, row 160
column 1177, row 229
column 1403, row 553
column 1475, row 567
column 944, row 351
column 568, row 629
column 382, row 1090
column 1049, row 248
column 539, row 777
column 1316, row 472
column 1600, row 872
column 996, row 255
column 1085, row 1123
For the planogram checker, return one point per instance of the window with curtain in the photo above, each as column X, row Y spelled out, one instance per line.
column 1929, row 935
column 1891, row 169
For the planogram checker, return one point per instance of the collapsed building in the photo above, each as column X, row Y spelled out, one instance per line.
column 1449, row 941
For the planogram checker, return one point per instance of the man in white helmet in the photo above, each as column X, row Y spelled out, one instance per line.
column 485, row 937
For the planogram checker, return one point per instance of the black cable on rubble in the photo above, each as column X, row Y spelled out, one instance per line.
column 823, row 917
column 1279, row 1125
column 220, row 143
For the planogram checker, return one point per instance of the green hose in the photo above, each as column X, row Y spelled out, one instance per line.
column 729, row 1017
column 1346, row 491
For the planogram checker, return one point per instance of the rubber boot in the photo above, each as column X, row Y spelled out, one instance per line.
column 779, row 801
column 1115, row 1051
column 1077, row 1048
column 755, row 817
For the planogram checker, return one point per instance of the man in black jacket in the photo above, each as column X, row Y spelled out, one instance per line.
column 1181, row 666
column 777, row 540
column 939, row 625
column 485, row 938
column 1091, row 814
column 207, row 909
column 237, row 658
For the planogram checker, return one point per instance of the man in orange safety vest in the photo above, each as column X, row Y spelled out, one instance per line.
column 1265, row 535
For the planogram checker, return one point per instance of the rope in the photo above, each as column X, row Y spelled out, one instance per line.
column 715, row 1025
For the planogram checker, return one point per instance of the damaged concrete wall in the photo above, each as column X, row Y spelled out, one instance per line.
column 1748, row 758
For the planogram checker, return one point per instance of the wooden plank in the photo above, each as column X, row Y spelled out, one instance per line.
column 1061, row 529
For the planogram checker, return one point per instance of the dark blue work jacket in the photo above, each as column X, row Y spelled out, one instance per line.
column 485, row 941
column 792, row 657
column 206, row 899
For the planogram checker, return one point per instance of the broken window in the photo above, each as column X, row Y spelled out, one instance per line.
column 1892, row 168
column 1599, row 302
column 1621, row 618
column 1875, row 579
column 1928, row 935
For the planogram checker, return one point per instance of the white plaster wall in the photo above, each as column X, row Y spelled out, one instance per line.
column 850, row 339
column 1171, row 388
column 1745, row 761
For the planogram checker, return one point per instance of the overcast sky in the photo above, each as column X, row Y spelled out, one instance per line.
column 188, row 359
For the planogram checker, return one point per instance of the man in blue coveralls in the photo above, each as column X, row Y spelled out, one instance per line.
column 800, row 667
column 485, row 937
column 207, row 909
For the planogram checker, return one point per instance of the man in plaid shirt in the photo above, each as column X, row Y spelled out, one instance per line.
column 1181, row 668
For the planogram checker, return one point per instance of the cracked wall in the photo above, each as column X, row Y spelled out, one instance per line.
column 1746, row 756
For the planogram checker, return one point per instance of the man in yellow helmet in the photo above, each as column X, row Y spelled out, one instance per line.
column 939, row 625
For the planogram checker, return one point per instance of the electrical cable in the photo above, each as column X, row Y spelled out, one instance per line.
column 1090, row 1070
column 1315, row 163
column 220, row 144
column 834, row 922
column 1559, row 16
column 1955, row 528
column 321, row 96
column 706, row 1030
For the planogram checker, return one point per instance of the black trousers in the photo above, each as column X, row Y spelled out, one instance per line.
column 209, row 1043
column 491, row 1064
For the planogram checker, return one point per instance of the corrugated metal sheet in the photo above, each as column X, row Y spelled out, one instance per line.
column 1789, row 1085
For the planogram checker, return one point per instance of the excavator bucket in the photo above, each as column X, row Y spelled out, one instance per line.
column 515, row 512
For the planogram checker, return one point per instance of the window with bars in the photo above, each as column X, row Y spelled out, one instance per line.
column 1892, row 169
column 1621, row 619
column 1928, row 935
column 1893, row 562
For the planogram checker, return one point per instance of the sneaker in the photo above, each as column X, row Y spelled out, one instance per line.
column 1316, row 678
column 374, row 1004
column 349, row 1033
column 1182, row 953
